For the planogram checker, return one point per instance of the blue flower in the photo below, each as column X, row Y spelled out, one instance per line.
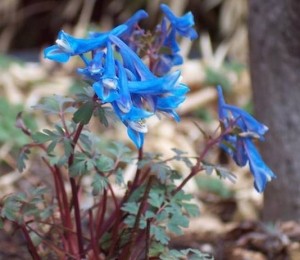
column 107, row 87
column 135, row 122
column 132, row 22
column 247, row 123
column 67, row 45
column 132, row 61
column 239, row 145
column 183, row 24
column 120, row 77
column 130, row 25
column 261, row 172
column 94, row 68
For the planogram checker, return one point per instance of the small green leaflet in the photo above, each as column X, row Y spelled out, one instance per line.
column 22, row 158
column 99, row 184
column 84, row 113
column 159, row 234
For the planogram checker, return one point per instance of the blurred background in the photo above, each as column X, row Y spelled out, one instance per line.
column 229, row 225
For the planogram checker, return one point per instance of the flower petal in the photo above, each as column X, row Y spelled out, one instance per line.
column 261, row 172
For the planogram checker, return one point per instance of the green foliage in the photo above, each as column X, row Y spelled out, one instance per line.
column 84, row 113
column 99, row 184
column 16, row 207
column 164, row 210
column 191, row 254
column 55, row 105
column 22, row 158
column 54, row 137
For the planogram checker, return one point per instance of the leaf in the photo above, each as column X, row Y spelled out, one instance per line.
column 176, row 222
column 100, row 113
column 156, row 249
column 52, row 146
column 195, row 254
column 119, row 177
column 225, row 174
column 84, row 113
column 162, row 171
column 104, row 163
column 53, row 105
column 191, row 209
column 79, row 166
column 11, row 208
column 178, row 152
column 99, row 184
column 155, row 199
column 67, row 147
column 46, row 213
column 159, row 234
column 22, row 158
column 39, row 191
column 131, row 207
column 120, row 151
column 41, row 137
column 130, row 221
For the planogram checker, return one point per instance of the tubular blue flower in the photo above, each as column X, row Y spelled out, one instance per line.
column 166, row 62
column 95, row 67
column 234, row 146
column 136, row 136
column 135, row 122
column 67, row 45
column 132, row 61
column 171, row 41
column 107, row 87
column 261, row 172
column 124, row 101
column 130, row 23
column 245, row 121
column 156, row 85
column 240, row 145
column 183, row 24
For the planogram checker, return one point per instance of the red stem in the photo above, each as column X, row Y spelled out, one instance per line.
column 30, row 245
column 137, row 219
column 197, row 167
column 101, row 214
column 93, row 240
column 63, row 207
column 138, row 171
column 74, row 189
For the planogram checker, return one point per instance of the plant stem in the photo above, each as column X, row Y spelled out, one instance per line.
column 30, row 245
column 198, row 167
column 100, row 215
column 138, row 217
column 138, row 171
column 147, row 239
column 93, row 240
column 74, row 189
column 63, row 207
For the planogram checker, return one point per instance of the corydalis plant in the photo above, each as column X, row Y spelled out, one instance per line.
column 129, row 70
column 238, row 143
column 135, row 90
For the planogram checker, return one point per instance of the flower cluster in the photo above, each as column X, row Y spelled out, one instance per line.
column 239, row 142
column 119, row 75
